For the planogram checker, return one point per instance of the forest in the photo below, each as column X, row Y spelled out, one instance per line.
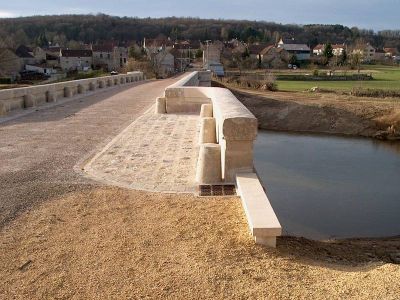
column 69, row 30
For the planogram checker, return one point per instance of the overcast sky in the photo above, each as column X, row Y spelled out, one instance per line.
column 368, row 14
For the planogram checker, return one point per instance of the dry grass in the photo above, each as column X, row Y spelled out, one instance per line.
column 114, row 243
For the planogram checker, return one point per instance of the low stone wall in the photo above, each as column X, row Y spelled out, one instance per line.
column 227, row 134
column 20, row 98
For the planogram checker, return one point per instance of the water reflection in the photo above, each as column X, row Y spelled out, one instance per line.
column 325, row 186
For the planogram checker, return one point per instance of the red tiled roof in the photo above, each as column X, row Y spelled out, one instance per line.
column 319, row 47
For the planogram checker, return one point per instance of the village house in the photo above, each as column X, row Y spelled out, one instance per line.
column 319, row 49
column 39, row 54
column 75, row 60
column 367, row 52
column 274, row 57
column 255, row 50
column 187, row 48
column 10, row 64
column 212, row 54
column 390, row 52
column 152, row 46
column 337, row 49
column 164, row 63
column 25, row 54
column 302, row 51
column 109, row 57
column 41, row 68
column 237, row 46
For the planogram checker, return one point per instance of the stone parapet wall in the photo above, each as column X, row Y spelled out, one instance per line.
column 227, row 134
column 26, row 97
column 236, row 126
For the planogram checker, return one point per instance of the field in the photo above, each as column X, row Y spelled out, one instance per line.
column 385, row 77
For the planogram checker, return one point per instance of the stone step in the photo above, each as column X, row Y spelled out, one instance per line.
column 261, row 218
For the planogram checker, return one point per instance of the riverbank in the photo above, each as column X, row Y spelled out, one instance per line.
column 323, row 113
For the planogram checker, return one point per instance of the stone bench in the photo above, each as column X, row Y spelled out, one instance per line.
column 261, row 218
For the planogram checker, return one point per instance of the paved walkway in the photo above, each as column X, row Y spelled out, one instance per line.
column 38, row 151
column 155, row 153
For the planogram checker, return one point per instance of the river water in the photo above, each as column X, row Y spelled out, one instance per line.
column 325, row 187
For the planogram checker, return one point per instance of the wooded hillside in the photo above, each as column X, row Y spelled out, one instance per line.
column 63, row 29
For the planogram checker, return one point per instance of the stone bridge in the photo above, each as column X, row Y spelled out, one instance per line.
column 177, row 136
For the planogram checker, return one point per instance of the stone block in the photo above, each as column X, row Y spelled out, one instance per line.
column 29, row 101
column 161, row 105
column 209, row 164
column 207, row 131
column 206, row 111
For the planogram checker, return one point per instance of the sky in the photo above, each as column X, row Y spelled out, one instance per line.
column 367, row 14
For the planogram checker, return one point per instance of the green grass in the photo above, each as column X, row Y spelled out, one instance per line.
column 385, row 77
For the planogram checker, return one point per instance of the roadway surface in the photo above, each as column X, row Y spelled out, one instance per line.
column 38, row 151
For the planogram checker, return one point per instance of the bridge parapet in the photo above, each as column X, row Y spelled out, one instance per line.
column 222, row 162
column 20, row 98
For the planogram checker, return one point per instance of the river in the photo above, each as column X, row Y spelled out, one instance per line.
column 324, row 187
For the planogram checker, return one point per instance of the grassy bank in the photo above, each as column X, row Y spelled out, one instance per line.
column 385, row 77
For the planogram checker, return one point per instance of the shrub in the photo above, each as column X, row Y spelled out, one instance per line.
column 376, row 93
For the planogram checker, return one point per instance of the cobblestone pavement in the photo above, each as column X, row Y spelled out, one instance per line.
column 155, row 153
column 38, row 151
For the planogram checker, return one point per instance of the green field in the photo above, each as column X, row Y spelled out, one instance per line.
column 385, row 77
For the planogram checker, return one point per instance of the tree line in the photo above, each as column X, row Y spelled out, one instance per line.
column 70, row 30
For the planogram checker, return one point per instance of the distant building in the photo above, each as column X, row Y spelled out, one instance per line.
column 25, row 54
column 71, row 60
column 319, row 49
column 390, row 52
column 256, row 49
column 10, row 63
column 152, row 46
column 367, row 52
column 109, row 57
column 187, row 48
column 274, row 57
column 337, row 49
column 302, row 51
column 164, row 63
column 212, row 54
column 41, row 68
column 39, row 54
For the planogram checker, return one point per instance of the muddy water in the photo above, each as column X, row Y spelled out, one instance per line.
column 331, row 187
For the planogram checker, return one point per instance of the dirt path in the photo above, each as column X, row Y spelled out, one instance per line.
column 112, row 243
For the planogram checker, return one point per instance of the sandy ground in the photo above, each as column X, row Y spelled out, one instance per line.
column 323, row 113
column 112, row 243
column 64, row 236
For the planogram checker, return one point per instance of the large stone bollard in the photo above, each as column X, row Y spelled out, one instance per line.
column 81, row 89
column 50, row 96
column 209, row 164
column 92, row 86
column 3, row 109
column 206, row 111
column 207, row 131
column 161, row 107
column 67, row 92
column 101, row 84
column 29, row 101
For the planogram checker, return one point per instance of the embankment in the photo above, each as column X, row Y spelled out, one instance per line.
column 323, row 113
